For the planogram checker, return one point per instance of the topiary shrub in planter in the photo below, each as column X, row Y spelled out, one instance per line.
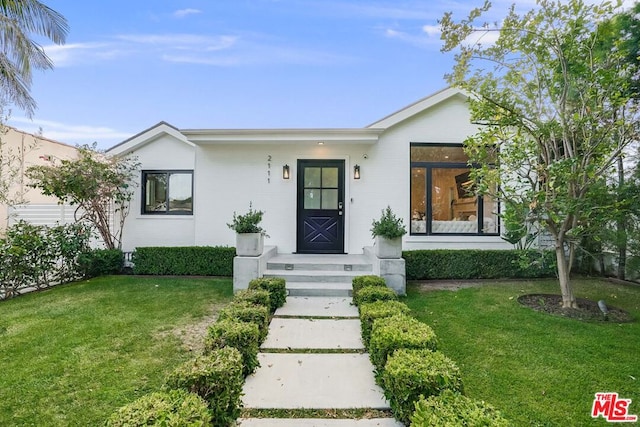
column 453, row 409
column 173, row 408
column 247, row 312
column 254, row 296
column 249, row 233
column 242, row 336
column 377, row 310
column 277, row 288
column 388, row 232
column 400, row 331
column 411, row 374
column 217, row 378
column 360, row 282
column 374, row 293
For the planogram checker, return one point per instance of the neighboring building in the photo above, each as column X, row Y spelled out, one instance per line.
column 31, row 205
column 320, row 188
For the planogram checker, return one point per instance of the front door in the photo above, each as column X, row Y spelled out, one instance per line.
column 320, row 227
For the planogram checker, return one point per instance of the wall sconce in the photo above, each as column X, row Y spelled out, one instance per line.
column 285, row 172
column 356, row 172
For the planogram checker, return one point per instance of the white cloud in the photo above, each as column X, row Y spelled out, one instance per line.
column 75, row 53
column 423, row 40
column 186, row 12
column 181, row 41
column 69, row 133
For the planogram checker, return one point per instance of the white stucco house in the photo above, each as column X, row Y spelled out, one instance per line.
column 320, row 189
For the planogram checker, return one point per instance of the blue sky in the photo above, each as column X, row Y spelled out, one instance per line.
column 237, row 64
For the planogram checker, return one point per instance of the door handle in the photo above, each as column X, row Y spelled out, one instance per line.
column 339, row 208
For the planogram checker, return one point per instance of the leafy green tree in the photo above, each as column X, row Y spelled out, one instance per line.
column 558, row 112
column 19, row 54
column 99, row 186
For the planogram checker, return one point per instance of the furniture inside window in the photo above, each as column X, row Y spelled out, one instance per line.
column 167, row 192
column 443, row 200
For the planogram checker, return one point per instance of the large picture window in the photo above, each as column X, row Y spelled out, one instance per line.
column 167, row 192
column 443, row 200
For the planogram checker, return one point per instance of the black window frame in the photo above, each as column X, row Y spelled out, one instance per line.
column 428, row 167
column 166, row 172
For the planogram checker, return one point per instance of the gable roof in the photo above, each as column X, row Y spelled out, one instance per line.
column 367, row 135
column 147, row 136
column 418, row 107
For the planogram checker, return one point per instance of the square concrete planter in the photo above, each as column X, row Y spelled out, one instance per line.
column 249, row 244
column 388, row 248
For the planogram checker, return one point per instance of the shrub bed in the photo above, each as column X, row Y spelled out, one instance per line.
column 453, row 409
column 174, row 408
column 369, row 312
column 478, row 264
column 100, row 262
column 215, row 377
column 184, row 261
column 411, row 374
column 374, row 293
column 360, row 282
column 400, row 331
column 242, row 336
column 247, row 312
column 254, row 296
column 276, row 287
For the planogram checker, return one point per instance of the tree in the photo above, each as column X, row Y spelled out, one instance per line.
column 558, row 112
column 19, row 54
column 99, row 187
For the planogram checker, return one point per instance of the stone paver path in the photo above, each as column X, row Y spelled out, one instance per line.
column 316, row 361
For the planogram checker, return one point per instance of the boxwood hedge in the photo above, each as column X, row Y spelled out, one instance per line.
column 453, row 409
column 243, row 336
column 184, row 261
column 371, row 311
column 277, row 288
column 478, row 264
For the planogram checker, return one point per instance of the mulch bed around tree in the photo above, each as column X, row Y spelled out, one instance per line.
column 587, row 309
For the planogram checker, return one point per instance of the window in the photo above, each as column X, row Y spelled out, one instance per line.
column 167, row 192
column 442, row 194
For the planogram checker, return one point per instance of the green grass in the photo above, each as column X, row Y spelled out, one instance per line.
column 75, row 353
column 539, row 370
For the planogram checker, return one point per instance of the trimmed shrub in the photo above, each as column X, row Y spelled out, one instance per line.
column 377, row 310
column 411, row 374
column 374, row 293
column 174, row 408
column 247, row 312
column 453, row 409
column 360, row 282
column 242, row 336
column 478, row 264
column 277, row 288
column 215, row 377
column 400, row 331
column 101, row 262
column 184, row 261
column 254, row 296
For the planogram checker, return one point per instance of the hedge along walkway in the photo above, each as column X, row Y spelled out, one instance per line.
column 313, row 362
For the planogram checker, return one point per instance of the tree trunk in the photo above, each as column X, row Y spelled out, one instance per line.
column 621, row 225
column 564, row 271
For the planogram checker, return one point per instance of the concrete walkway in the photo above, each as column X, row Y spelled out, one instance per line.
column 335, row 375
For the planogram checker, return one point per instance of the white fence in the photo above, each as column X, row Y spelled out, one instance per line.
column 41, row 214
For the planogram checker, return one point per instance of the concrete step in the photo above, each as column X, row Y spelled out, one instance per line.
column 361, row 268
column 313, row 275
column 319, row 289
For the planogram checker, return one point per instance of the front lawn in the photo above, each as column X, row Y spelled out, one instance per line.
column 73, row 354
column 538, row 369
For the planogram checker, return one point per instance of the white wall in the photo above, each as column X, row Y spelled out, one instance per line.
column 165, row 152
column 227, row 177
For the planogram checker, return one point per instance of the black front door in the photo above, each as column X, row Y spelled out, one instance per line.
column 320, row 206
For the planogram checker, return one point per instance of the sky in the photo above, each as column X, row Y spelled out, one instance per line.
column 128, row 65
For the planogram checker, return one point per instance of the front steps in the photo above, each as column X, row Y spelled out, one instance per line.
column 318, row 275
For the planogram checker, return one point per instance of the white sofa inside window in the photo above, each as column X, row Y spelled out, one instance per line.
column 454, row 227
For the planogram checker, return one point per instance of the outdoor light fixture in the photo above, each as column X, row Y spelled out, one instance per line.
column 356, row 172
column 285, row 172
